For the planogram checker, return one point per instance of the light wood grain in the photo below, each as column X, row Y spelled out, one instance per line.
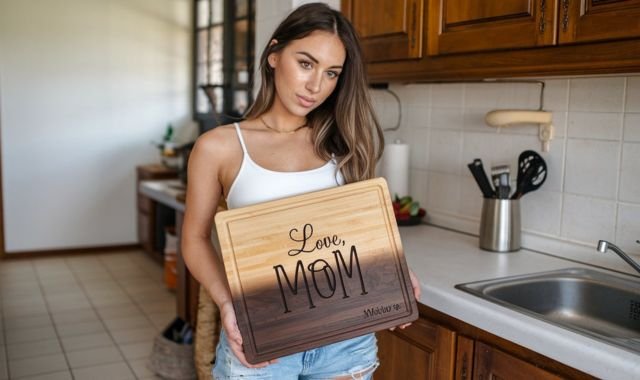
column 291, row 294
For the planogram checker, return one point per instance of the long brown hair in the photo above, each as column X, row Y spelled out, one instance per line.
column 344, row 124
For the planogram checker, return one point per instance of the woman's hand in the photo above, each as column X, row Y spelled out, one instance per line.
column 230, row 325
column 416, row 293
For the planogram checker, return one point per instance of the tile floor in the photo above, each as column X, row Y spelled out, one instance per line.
column 81, row 317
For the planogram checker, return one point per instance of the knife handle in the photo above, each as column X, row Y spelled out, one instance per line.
column 477, row 170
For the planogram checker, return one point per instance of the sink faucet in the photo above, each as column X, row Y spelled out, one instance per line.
column 603, row 245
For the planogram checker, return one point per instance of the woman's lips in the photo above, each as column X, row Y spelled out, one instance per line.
column 305, row 102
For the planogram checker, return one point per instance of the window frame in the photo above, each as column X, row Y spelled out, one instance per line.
column 230, row 83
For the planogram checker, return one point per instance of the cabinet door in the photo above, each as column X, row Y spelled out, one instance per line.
column 491, row 363
column 144, row 231
column 389, row 30
column 458, row 26
column 424, row 350
column 598, row 20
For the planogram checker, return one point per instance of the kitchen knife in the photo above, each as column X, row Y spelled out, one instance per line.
column 477, row 170
column 500, row 175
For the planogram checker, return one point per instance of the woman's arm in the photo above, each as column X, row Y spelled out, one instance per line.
column 204, row 190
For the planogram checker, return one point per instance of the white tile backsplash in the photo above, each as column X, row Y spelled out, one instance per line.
column 418, row 139
column 445, row 150
column 595, row 125
column 446, row 118
column 443, row 192
column 447, row 95
column 592, row 168
column 632, row 127
column 630, row 173
column 597, row 94
column 588, row 219
column 541, row 212
column 556, row 95
column 592, row 189
column 418, row 186
column 632, row 103
column 628, row 227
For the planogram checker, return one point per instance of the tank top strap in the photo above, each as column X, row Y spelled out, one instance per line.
column 239, row 132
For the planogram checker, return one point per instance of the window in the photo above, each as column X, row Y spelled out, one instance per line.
column 226, row 32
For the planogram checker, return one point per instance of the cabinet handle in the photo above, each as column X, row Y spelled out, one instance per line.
column 543, row 22
column 565, row 15
column 465, row 367
column 413, row 25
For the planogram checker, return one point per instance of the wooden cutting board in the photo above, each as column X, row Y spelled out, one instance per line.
column 315, row 268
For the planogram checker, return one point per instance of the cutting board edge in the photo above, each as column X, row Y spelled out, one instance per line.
column 254, row 358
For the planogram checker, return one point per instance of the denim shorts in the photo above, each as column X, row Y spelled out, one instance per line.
column 353, row 356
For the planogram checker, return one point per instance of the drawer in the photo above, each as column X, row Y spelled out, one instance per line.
column 145, row 204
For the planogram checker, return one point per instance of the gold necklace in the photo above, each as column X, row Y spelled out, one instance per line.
column 279, row 131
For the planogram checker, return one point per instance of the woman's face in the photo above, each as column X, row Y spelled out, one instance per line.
column 307, row 70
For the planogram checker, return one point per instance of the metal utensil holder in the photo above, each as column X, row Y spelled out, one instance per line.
column 500, row 225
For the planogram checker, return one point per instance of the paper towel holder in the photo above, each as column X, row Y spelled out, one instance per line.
column 511, row 117
column 507, row 118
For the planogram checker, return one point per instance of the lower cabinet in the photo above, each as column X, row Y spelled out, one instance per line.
column 491, row 363
column 423, row 350
column 437, row 346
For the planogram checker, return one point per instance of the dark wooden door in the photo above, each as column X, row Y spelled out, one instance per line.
column 423, row 350
column 491, row 363
column 389, row 30
column 598, row 20
column 459, row 26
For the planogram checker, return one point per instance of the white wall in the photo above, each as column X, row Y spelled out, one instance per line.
column 593, row 188
column 85, row 85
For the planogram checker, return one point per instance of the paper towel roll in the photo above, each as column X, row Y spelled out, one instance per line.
column 395, row 168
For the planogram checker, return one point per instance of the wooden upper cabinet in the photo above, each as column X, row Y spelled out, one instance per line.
column 389, row 29
column 460, row 26
column 598, row 20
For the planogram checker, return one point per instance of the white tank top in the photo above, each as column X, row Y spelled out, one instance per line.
column 255, row 184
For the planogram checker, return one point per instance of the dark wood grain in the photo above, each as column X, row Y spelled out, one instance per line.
column 389, row 30
column 589, row 21
column 458, row 26
column 508, row 347
column 491, row 363
column 603, row 40
column 315, row 269
column 464, row 358
column 423, row 350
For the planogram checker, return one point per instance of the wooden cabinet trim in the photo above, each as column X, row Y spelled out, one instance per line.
column 464, row 358
column 535, row 26
column 604, row 58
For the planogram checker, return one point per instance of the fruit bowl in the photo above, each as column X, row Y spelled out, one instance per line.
column 411, row 221
column 407, row 211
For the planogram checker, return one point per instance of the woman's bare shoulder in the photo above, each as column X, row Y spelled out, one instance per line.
column 219, row 141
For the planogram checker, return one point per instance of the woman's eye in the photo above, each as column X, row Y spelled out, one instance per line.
column 332, row 74
column 305, row 64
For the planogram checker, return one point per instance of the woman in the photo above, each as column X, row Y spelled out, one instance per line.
column 310, row 128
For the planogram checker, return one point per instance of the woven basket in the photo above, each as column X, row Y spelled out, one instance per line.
column 172, row 360
column 207, row 334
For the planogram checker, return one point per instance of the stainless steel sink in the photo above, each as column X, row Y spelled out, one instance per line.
column 593, row 303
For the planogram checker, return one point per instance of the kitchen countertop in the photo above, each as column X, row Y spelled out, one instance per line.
column 164, row 191
column 441, row 259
